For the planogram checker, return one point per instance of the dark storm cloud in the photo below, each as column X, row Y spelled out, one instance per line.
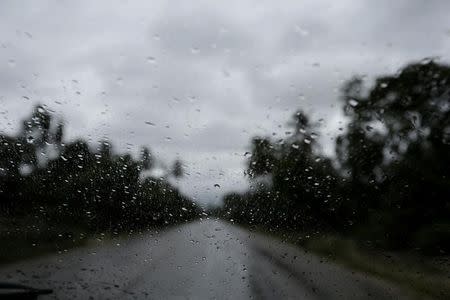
column 208, row 75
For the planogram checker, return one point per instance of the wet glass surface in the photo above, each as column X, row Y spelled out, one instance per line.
column 239, row 150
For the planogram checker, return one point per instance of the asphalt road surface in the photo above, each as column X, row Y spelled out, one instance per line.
column 201, row 260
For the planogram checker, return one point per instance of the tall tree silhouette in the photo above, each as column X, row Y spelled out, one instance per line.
column 70, row 185
column 397, row 142
column 390, row 181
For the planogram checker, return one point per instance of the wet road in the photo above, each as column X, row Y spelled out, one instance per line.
column 201, row 260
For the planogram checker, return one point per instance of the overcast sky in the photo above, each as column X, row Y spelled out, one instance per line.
column 208, row 74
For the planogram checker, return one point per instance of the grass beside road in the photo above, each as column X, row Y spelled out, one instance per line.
column 25, row 238
column 16, row 249
column 425, row 277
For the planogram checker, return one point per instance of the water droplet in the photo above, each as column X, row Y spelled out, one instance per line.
column 150, row 123
column 426, row 60
column 11, row 63
column 30, row 139
column 295, row 146
column 307, row 141
column 225, row 73
column 353, row 102
column 217, row 185
column 151, row 59
column 446, row 139
column 301, row 31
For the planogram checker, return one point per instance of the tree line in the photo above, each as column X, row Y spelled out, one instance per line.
column 70, row 184
column 388, row 183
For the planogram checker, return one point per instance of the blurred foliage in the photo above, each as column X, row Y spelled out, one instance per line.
column 177, row 169
column 69, row 185
column 387, row 185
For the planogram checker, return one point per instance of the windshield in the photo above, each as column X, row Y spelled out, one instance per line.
column 225, row 150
